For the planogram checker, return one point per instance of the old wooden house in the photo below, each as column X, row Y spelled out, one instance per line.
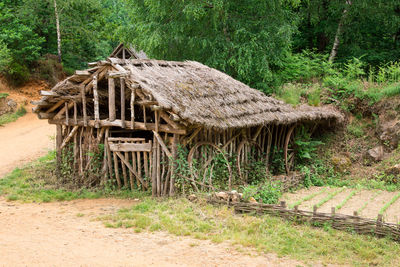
column 140, row 111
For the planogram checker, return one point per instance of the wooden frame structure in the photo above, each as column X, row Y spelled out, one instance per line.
column 141, row 110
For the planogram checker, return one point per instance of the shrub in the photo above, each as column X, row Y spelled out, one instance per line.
column 268, row 192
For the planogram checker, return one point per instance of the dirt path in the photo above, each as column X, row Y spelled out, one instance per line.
column 53, row 234
column 23, row 141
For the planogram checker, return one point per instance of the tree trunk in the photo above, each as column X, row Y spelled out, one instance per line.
column 338, row 33
column 58, row 31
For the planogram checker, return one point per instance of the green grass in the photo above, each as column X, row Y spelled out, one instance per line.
column 3, row 95
column 387, row 205
column 329, row 197
column 306, row 198
column 10, row 117
column 36, row 182
column 341, row 204
column 266, row 234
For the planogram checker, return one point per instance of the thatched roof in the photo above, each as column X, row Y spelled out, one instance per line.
column 202, row 95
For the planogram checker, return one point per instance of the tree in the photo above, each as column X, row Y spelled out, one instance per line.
column 246, row 39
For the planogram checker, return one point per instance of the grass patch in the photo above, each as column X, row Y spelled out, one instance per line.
column 10, row 117
column 264, row 233
column 3, row 95
column 36, row 182
column 306, row 198
column 387, row 205
column 341, row 204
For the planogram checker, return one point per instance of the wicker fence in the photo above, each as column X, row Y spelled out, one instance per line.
column 353, row 223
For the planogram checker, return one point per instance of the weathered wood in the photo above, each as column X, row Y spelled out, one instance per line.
column 146, row 163
column 124, row 174
column 134, row 167
column 48, row 93
column 83, row 95
column 75, row 113
column 96, row 103
column 58, row 147
column 117, row 123
column 130, row 147
column 107, row 148
column 139, row 162
column 117, row 74
column 66, row 113
column 190, row 138
column 132, row 102
column 82, row 73
column 147, row 102
column 116, row 170
column 122, row 82
column 154, row 168
column 112, row 115
column 130, row 167
column 158, row 165
column 125, row 139
column 46, row 116
column 173, row 159
column 165, row 117
column 131, row 181
column 68, row 138
column 163, row 146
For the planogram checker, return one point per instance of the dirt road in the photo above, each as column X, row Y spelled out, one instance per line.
column 23, row 141
column 68, row 234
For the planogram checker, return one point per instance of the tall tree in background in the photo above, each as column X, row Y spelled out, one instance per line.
column 246, row 39
column 338, row 33
column 58, row 32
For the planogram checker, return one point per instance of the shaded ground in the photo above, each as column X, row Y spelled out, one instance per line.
column 368, row 200
column 67, row 234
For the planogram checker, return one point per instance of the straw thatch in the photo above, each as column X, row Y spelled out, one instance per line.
column 202, row 95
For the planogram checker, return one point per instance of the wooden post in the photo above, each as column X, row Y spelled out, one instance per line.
column 66, row 113
column 173, row 159
column 333, row 211
column 122, row 82
column 107, row 148
column 116, row 170
column 124, row 174
column 58, row 147
column 83, row 95
column 111, row 100
column 96, row 103
column 315, row 210
column 283, row 204
column 154, row 168
column 133, row 109
column 75, row 113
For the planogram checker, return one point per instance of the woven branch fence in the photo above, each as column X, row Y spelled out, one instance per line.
column 352, row 223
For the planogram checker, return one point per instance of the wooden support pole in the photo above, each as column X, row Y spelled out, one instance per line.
column 116, row 170
column 66, row 113
column 75, row 113
column 96, row 103
column 111, row 100
column 163, row 146
column 130, row 167
column 133, row 108
column 83, row 95
column 122, row 82
column 124, row 174
column 173, row 159
column 58, row 147
column 107, row 148
column 154, row 168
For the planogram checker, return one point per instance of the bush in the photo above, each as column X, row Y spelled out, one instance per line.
column 268, row 192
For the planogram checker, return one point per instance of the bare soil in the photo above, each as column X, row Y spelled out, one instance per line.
column 336, row 200
column 68, row 234
column 292, row 197
column 308, row 205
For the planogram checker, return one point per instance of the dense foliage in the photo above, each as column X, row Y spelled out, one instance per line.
column 262, row 43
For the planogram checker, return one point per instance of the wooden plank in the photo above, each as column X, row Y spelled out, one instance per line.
column 130, row 147
column 48, row 93
column 118, row 74
column 83, row 95
column 117, row 123
column 165, row 117
column 75, row 113
column 124, row 174
column 68, row 138
column 82, row 73
column 112, row 115
column 163, row 146
column 134, row 167
column 96, row 103
column 139, row 163
column 125, row 139
column 122, row 82
column 131, row 181
column 116, row 170
column 146, row 164
column 130, row 167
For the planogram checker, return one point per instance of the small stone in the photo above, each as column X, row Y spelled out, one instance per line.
column 341, row 163
column 375, row 154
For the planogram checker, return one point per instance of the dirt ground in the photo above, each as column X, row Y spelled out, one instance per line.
column 68, row 234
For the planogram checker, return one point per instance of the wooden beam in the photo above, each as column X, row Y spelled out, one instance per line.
column 130, row 147
column 54, row 107
column 69, row 137
column 193, row 135
column 112, row 115
column 96, row 103
column 163, row 146
column 133, row 108
column 66, row 113
column 48, row 93
column 117, row 123
column 125, row 139
column 118, row 74
column 122, row 83
column 47, row 116
column 75, row 113
column 116, row 170
column 165, row 117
